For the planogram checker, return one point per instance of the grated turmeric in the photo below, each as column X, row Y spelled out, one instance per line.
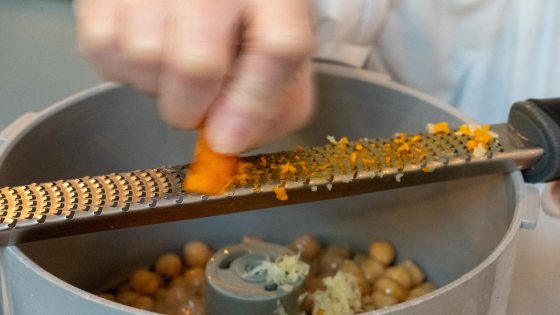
column 440, row 127
column 211, row 173
column 280, row 193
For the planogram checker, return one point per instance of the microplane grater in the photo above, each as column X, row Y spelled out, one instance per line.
column 338, row 169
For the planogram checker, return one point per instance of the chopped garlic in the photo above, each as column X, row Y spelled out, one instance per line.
column 398, row 177
column 329, row 186
column 430, row 128
column 342, row 296
column 280, row 310
column 286, row 271
column 480, row 151
column 332, row 139
column 313, row 188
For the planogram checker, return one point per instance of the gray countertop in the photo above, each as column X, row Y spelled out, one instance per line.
column 39, row 66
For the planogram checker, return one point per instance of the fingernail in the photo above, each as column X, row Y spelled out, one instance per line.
column 234, row 133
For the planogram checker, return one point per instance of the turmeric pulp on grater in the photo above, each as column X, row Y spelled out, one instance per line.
column 211, row 173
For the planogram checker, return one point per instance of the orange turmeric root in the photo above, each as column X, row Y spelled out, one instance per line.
column 211, row 173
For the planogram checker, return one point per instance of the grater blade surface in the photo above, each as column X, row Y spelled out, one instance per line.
column 340, row 168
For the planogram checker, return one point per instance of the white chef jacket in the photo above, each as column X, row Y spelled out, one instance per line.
column 478, row 55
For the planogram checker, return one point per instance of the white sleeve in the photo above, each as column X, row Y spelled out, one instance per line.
column 477, row 55
column 355, row 22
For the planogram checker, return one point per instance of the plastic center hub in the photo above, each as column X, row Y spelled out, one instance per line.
column 234, row 289
column 244, row 266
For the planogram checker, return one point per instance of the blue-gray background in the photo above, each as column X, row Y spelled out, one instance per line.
column 38, row 63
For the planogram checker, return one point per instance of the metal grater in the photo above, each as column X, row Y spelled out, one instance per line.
column 89, row 204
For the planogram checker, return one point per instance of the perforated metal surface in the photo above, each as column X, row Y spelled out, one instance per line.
column 88, row 194
column 337, row 169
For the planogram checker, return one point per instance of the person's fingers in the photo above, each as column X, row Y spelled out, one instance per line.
column 140, row 36
column 247, row 130
column 172, row 48
column 97, row 35
column 197, row 52
column 296, row 103
column 277, row 40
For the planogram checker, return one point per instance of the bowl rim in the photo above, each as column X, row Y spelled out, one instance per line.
column 326, row 69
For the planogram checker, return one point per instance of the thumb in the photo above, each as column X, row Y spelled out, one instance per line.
column 269, row 91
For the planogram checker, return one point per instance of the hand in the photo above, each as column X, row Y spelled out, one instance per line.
column 239, row 66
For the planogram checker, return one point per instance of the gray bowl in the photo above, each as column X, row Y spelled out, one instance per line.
column 463, row 233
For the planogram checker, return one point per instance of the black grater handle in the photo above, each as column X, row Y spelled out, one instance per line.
column 538, row 120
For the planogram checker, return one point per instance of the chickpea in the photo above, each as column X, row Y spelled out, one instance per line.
column 160, row 294
column 390, row 287
column 314, row 267
column 339, row 250
column 420, row 290
column 106, row 296
column 308, row 247
column 416, row 274
column 144, row 303
column 193, row 306
column 159, row 301
column 382, row 251
column 352, row 268
column 161, row 309
column 174, row 297
column 195, row 278
column 372, row 269
column 367, row 303
column 197, row 254
column 307, row 304
column 330, row 262
column 168, row 265
column 382, row 300
column 127, row 297
column 399, row 274
column 124, row 287
column 313, row 284
column 145, row 282
column 359, row 258
column 178, row 281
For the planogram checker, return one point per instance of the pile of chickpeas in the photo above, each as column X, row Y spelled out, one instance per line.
column 175, row 285
column 381, row 282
